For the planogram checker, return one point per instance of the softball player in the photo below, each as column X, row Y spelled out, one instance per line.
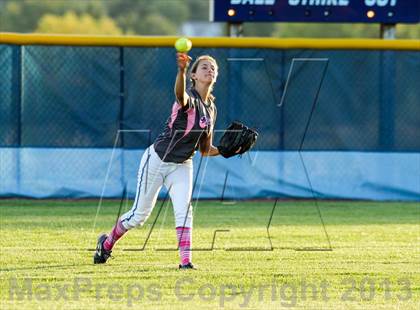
column 168, row 161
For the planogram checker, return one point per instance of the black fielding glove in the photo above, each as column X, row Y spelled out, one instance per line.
column 237, row 139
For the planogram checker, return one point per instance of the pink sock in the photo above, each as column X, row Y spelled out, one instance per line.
column 184, row 242
column 117, row 232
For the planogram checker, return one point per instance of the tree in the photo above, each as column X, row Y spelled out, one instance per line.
column 74, row 24
column 259, row 29
column 163, row 17
column 408, row 31
column 176, row 12
column 199, row 10
column 326, row 30
column 158, row 25
column 146, row 17
column 24, row 15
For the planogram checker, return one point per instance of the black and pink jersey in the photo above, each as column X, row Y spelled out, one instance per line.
column 184, row 129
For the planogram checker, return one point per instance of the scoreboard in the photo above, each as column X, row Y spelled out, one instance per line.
column 334, row 11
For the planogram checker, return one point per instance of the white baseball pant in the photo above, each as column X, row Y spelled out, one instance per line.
column 152, row 174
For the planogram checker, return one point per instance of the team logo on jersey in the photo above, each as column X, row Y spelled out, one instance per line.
column 204, row 121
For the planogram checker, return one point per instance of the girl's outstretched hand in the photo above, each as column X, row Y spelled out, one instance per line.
column 183, row 61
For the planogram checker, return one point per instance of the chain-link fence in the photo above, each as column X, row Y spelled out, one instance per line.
column 67, row 108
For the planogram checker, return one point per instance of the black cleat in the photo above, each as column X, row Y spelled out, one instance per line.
column 101, row 255
column 187, row 266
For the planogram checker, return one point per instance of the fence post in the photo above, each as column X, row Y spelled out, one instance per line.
column 121, row 116
column 17, row 78
column 387, row 100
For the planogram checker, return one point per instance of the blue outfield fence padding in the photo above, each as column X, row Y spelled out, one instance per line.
column 61, row 108
column 263, row 174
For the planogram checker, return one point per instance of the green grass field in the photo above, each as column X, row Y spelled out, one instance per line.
column 373, row 263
